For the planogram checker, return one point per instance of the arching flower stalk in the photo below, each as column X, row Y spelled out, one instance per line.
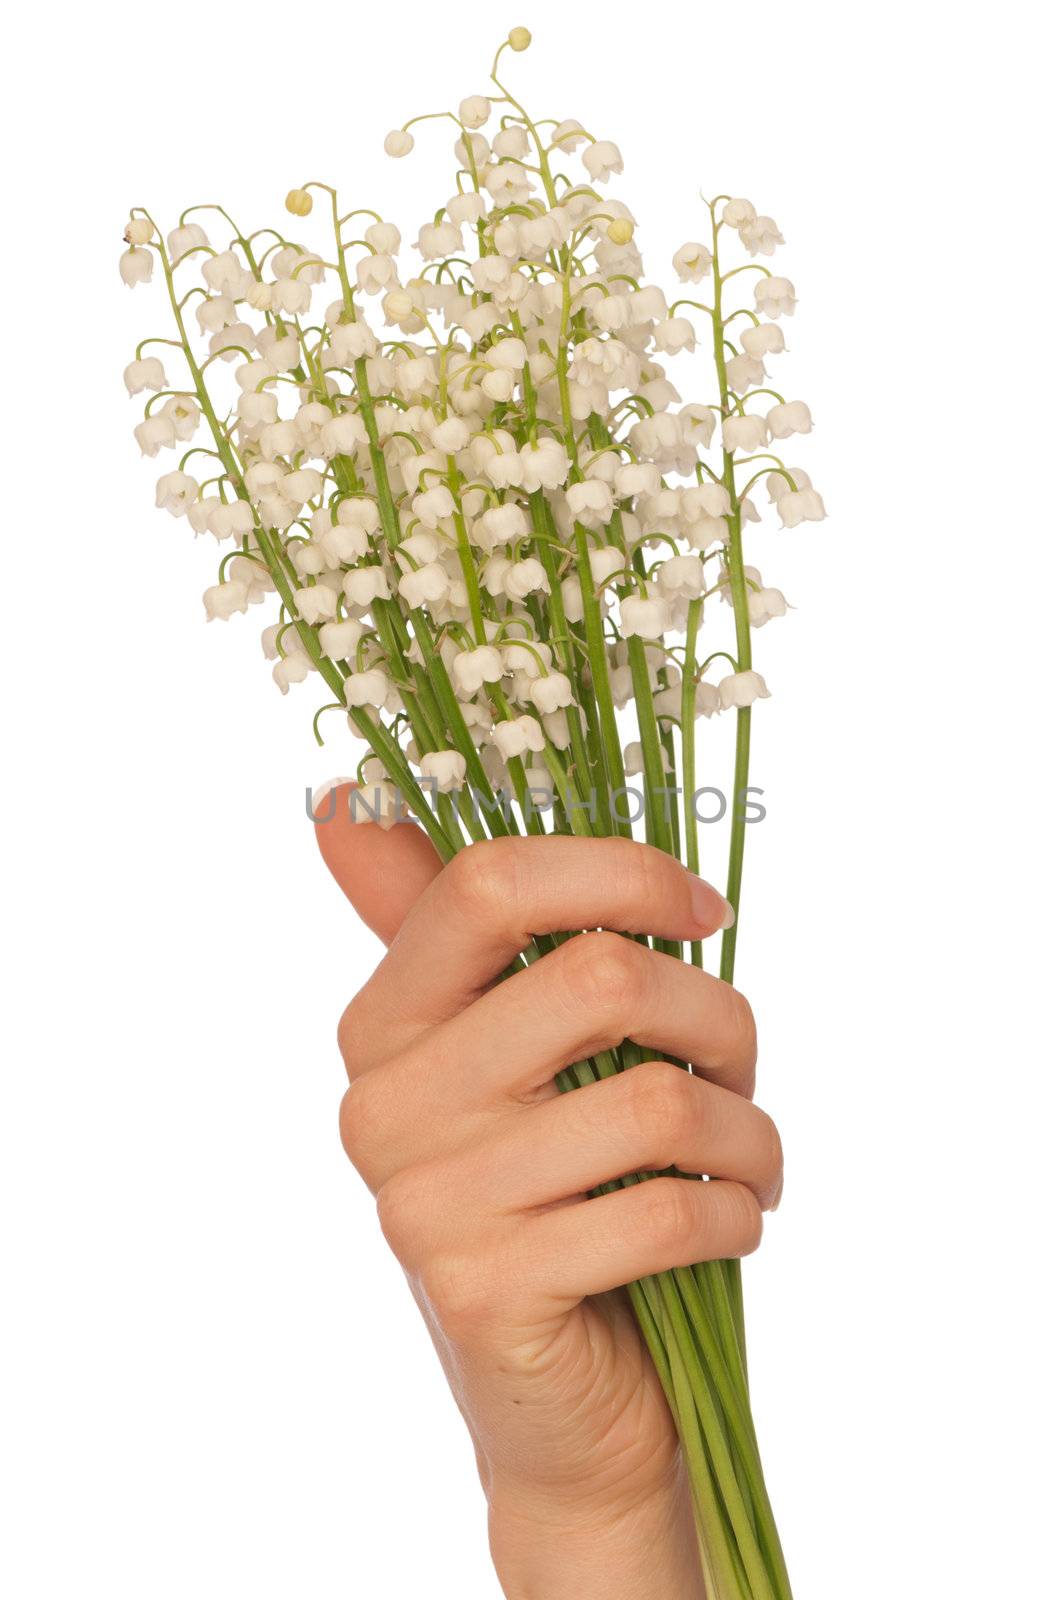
column 481, row 515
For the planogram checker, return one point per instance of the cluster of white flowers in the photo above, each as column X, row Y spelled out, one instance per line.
column 473, row 494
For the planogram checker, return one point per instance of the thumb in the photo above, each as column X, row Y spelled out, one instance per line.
column 382, row 871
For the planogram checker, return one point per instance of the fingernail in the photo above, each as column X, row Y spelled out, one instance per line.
column 777, row 1202
column 322, row 794
column 709, row 908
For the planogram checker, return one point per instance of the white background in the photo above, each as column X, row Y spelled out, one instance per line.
column 214, row 1383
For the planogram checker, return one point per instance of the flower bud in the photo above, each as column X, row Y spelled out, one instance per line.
column 498, row 384
column 398, row 142
column 738, row 213
column 397, row 305
column 620, row 230
column 519, row 39
column 299, row 202
column 138, row 231
column 474, row 111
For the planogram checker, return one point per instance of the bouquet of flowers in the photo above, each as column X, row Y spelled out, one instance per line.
column 484, row 520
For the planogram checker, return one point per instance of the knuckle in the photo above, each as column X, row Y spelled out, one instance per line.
column 669, row 1212
column 402, row 1204
column 460, row 1292
column 358, row 1119
column 659, row 1099
column 603, row 971
column 349, row 1035
column 642, row 869
column 481, row 879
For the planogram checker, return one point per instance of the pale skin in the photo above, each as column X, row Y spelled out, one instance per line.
column 482, row 1170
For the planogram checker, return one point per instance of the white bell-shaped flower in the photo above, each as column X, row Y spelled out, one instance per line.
column 590, row 502
column 682, row 577
column 366, row 688
column 135, row 266
column 775, row 297
column 606, row 564
column 706, row 699
column 437, row 240
column 231, row 521
column 517, row 736
column 376, row 801
column 338, row 639
column 764, row 604
column 294, row 667
column 474, row 111
column 738, row 213
column 744, row 372
column 445, row 768
column 225, row 273
column 692, row 262
column 551, row 693
column 601, row 159
column 424, row 585
column 675, row 334
column 760, row 236
column 315, row 604
column 223, row 600
column 744, row 433
column 544, row 465
column 643, row 617
column 144, row 374
column 175, row 492
column 463, row 208
column 451, row 435
column 525, row 577
column 793, row 416
column 473, row 668
column 364, row 585
column 155, row 433
column 762, row 339
column 800, row 505
column 189, row 237
column 742, row 689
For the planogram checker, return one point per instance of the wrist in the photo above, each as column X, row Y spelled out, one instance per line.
column 635, row 1548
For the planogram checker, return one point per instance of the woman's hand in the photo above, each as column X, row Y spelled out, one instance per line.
column 481, row 1171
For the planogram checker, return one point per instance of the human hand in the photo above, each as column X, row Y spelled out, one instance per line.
column 482, row 1169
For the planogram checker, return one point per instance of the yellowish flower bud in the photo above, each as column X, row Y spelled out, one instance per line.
column 299, row 202
column 398, row 305
column 620, row 230
column 519, row 38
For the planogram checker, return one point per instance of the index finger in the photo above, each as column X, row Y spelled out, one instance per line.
column 489, row 903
